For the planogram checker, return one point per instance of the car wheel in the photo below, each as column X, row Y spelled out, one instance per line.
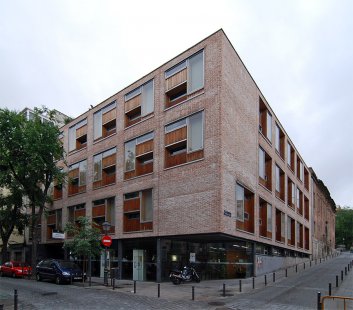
column 38, row 277
column 57, row 280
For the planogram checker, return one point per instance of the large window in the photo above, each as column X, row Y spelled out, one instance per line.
column 139, row 103
column 54, row 223
column 280, row 192
column 265, row 120
column 139, row 156
column 104, row 121
column 290, row 156
column 78, row 136
column 184, row 140
column 300, row 169
column 77, row 177
column 290, row 231
column 184, row 79
column 265, row 169
column 104, row 168
column 104, row 210
column 244, row 208
column 138, row 211
column 279, row 142
column 299, row 201
column 291, row 193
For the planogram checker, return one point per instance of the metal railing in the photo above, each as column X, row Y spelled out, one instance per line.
column 344, row 298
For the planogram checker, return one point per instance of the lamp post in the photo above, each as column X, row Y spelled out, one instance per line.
column 106, row 228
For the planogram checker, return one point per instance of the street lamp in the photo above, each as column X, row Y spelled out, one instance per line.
column 106, row 228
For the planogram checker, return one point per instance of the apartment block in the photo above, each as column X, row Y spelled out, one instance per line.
column 189, row 164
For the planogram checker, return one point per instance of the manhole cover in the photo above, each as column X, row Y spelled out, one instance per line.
column 216, row 303
column 49, row 293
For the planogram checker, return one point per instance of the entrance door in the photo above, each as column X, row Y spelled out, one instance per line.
column 139, row 268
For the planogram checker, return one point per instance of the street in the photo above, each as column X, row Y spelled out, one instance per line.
column 297, row 291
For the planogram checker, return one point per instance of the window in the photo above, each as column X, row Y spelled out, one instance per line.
column 54, row 222
column 104, row 210
column 279, row 183
column 299, row 235
column 77, row 178
column 138, row 211
column 290, row 156
column 300, row 169
column 184, row 140
column 265, row 214
column 244, row 209
column 265, row 169
column 185, row 79
column 306, row 208
column 139, row 103
column 279, row 143
column 104, row 168
column 74, row 212
column 104, row 121
column 139, row 156
column 78, row 136
column 299, row 201
column 307, row 238
column 265, row 121
column 306, row 178
column 290, row 231
column 291, row 193
column 280, row 226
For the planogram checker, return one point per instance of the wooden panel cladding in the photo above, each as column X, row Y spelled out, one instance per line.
column 132, row 205
column 107, row 179
column 131, row 225
column 73, row 174
column 307, row 238
column 109, row 161
column 81, row 131
column 50, row 232
column 146, row 226
column 80, row 212
column 51, row 219
column 142, row 169
column 109, row 116
column 133, row 103
column 98, row 211
column 174, row 160
column 306, row 208
column 144, row 148
column 58, row 193
column 292, row 238
column 300, row 240
column 176, row 79
column 194, row 155
column 75, row 189
column 100, row 228
column 129, row 174
column 278, row 226
column 263, row 220
column 179, row 134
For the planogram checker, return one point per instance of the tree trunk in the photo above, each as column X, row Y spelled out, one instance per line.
column 4, row 254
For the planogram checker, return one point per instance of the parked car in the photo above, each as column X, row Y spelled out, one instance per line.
column 15, row 269
column 59, row 271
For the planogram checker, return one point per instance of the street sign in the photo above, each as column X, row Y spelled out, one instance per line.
column 107, row 241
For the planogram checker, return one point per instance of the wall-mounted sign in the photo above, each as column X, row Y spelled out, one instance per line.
column 58, row 235
column 227, row 213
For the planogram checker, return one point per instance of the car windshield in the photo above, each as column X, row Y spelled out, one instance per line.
column 70, row 265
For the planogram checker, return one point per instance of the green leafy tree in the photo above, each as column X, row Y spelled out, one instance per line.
column 344, row 227
column 29, row 151
column 86, row 239
column 12, row 215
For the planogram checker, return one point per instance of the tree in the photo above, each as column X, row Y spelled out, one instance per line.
column 29, row 151
column 344, row 227
column 85, row 241
column 12, row 215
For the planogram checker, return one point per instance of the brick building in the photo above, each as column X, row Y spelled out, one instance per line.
column 324, row 218
column 188, row 164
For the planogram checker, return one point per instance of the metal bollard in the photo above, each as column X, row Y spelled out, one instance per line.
column 193, row 292
column 341, row 275
column 296, row 268
column 265, row 280
column 253, row 283
column 15, row 306
column 304, row 266
column 329, row 289
column 240, row 285
column 274, row 277
column 286, row 272
column 310, row 263
column 224, row 290
column 318, row 301
column 320, row 260
column 134, row 287
column 113, row 284
column 1, row 307
column 336, row 281
column 345, row 271
column 348, row 267
column 159, row 290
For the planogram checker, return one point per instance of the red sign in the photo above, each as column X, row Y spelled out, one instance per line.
column 107, row 241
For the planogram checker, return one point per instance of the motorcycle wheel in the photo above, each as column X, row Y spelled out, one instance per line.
column 176, row 281
column 197, row 278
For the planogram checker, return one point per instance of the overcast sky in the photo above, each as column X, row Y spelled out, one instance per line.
column 68, row 55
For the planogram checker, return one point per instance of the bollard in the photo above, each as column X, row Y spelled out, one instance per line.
column 193, row 292
column 315, row 261
column 329, row 289
column 336, row 281
column 286, row 272
column 345, row 271
column 253, row 283
column 1, row 307
column 134, row 287
column 159, row 290
column 113, row 284
column 304, row 266
column 348, row 267
column 320, row 260
column 296, row 268
column 265, row 280
column 310, row 263
column 341, row 275
column 318, row 301
column 15, row 306
column 240, row 285
column 224, row 290
column 274, row 277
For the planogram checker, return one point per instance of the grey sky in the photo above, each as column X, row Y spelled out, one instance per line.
column 69, row 55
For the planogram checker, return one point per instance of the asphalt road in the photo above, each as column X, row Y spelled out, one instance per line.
column 298, row 291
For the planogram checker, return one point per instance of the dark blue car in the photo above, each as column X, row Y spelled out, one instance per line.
column 59, row 271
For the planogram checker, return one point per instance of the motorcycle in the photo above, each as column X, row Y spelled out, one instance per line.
column 188, row 274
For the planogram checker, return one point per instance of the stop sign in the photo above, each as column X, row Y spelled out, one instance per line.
column 107, row 241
